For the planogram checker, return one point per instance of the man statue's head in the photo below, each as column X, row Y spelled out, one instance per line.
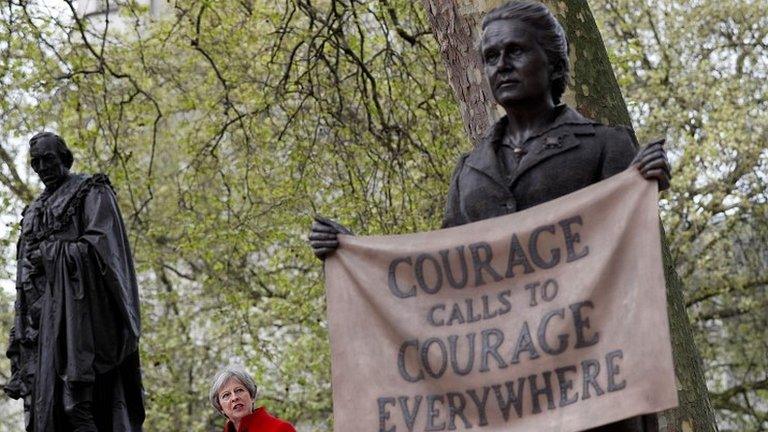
column 51, row 159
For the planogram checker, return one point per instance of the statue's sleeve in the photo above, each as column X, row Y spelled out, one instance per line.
column 452, row 215
column 15, row 386
column 12, row 387
column 13, row 339
column 619, row 148
column 104, row 231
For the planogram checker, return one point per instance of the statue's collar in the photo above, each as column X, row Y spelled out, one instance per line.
column 567, row 122
column 55, row 201
column 566, row 116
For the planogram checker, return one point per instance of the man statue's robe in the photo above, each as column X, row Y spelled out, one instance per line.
column 77, row 322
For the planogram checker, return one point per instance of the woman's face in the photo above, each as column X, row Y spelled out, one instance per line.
column 235, row 400
column 516, row 65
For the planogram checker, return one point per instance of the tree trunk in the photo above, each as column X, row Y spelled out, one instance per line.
column 594, row 91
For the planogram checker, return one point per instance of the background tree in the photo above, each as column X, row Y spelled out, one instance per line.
column 225, row 125
column 696, row 73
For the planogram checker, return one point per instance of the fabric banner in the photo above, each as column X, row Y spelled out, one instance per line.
column 550, row 319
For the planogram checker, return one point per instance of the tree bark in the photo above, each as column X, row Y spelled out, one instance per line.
column 594, row 91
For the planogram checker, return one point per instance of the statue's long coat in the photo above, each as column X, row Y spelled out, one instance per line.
column 79, row 321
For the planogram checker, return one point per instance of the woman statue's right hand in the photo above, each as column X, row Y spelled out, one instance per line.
column 323, row 237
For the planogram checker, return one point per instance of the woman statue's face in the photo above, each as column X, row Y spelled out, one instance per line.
column 516, row 65
column 235, row 400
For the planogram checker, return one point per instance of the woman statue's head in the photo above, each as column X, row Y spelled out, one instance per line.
column 507, row 32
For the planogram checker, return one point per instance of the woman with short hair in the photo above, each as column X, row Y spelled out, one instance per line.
column 232, row 393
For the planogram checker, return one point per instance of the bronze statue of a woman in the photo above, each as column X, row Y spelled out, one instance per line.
column 542, row 149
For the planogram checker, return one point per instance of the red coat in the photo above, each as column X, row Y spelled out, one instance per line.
column 260, row 421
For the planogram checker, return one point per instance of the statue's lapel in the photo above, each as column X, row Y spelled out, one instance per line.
column 484, row 159
column 563, row 135
column 554, row 141
column 59, row 201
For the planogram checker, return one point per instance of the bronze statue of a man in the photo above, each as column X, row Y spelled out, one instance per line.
column 74, row 344
column 541, row 149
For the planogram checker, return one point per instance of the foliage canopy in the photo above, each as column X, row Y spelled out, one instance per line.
column 226, row 125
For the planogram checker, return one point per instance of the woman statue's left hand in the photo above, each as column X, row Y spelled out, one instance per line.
column 652, row 162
